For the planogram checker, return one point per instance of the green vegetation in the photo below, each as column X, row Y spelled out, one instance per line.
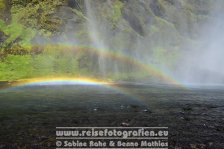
column 165, row 56
column 28, row 19
column 116, row 11
column 113, row 14
column 15, row 67
column 18, row 36
column 2, row 4
column 55, row 63
column 37, row 14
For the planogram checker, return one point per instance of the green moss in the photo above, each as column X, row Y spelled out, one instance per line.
column 2, row 24
column 54, row 61
column 117, row 7
column 15, row 67
column 113, row 14
column 17, row 35
column 154, row 29
column 2, row 4
column 163, row 56
column 38, row 15
column 83, row 36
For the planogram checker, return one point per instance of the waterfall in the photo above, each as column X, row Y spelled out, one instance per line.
column 93, row 27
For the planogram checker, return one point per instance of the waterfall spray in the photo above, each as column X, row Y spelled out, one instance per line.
column 96, row 38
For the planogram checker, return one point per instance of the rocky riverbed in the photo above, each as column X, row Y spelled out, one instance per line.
column 29, row 115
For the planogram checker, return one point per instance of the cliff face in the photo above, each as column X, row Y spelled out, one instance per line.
column 145, row 16
column 160, row 22
column 155, row 32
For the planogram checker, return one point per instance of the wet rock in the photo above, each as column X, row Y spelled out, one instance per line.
column 124, row 124
column 146, row 111
column 99, row 109
column 188, row 108
column 193, row 146
column 134, row 106
column 220, row 128
column 210, row 144
column 204, row 114
column 122, row 107
column 182, row 112
column 185, row 118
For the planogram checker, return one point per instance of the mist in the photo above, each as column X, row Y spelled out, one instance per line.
column 186, row 50
column 203, row 63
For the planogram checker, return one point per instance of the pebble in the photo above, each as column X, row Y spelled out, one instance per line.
column 210, row 143
column 146, row 110
column 125, row 124
column 182, row 112
column 185, row 118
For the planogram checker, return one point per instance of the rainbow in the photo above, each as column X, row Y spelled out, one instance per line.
column 119, row 56
column 110, row 54
column 52, row 81
column 58, row 81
